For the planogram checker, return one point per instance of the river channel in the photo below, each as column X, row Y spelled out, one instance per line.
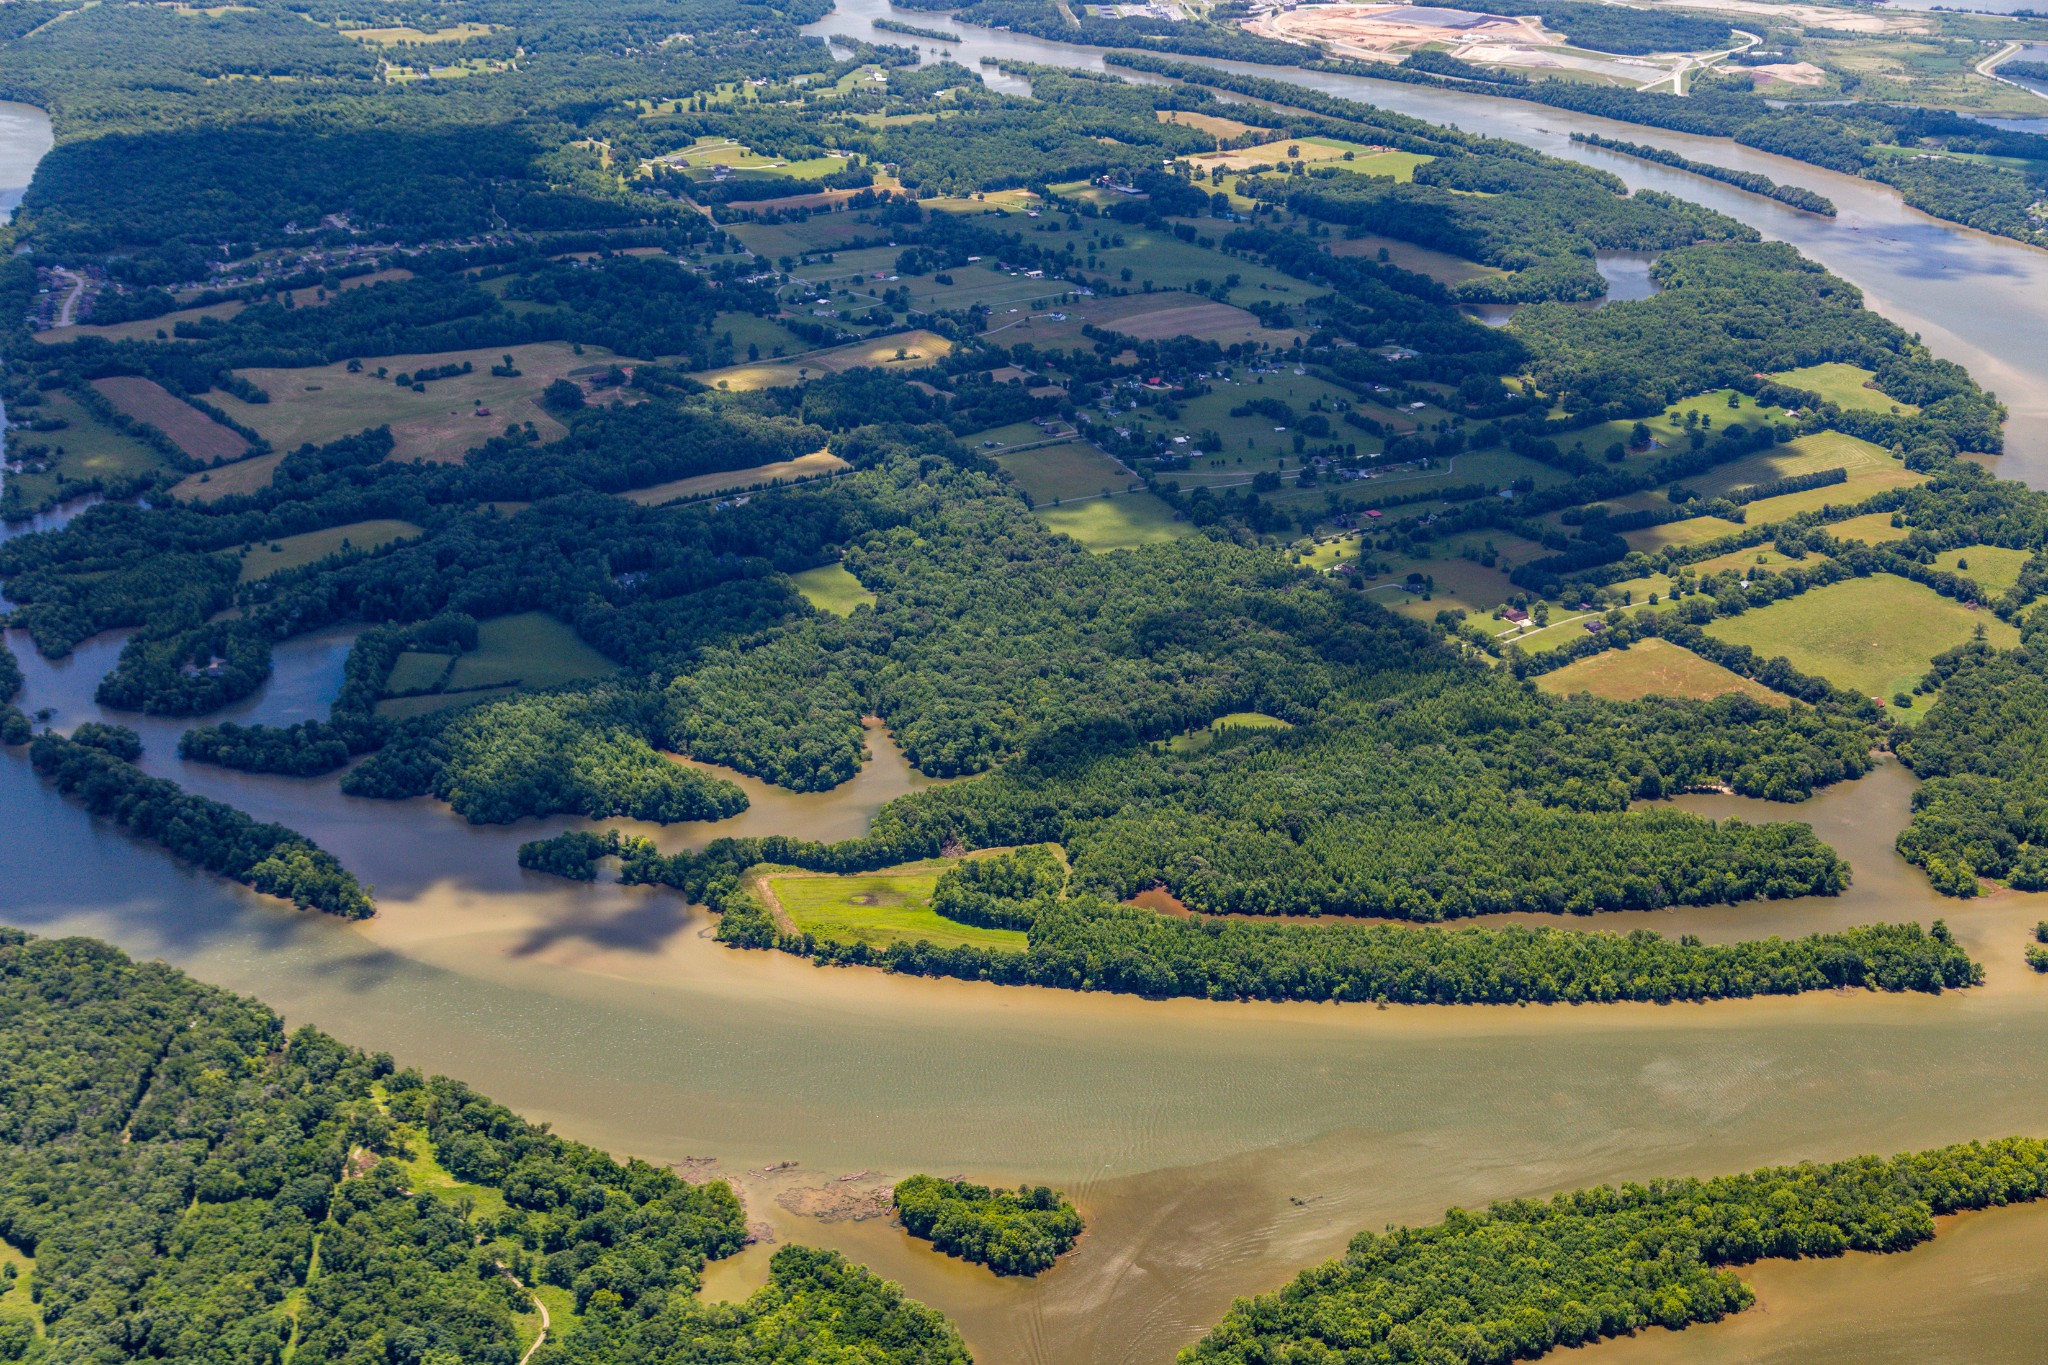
column 1216, row 1149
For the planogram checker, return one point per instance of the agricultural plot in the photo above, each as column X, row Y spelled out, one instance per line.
column 1139, row 316
column 1061, row 473
column 393, row 37
column 85, row 448
column 1653, row 668
column 745, row 329
column 243, row 476
column 1166, row 262
column 1991, row 567
column 891, row 906
column 1366, row 160
column 1679, row 534
column 1123, row 522
column 1450, row 585
column 193, row 431
column 831, row 588
column 294, row 552
column 1213, row 124
column 1846, row 386
column 913, row 350
column 454, row 415
column 1441, row 266
column 525, row 651
column 145, row 329
column 1807, row 455
column 821, row 232
column 1872, row 635
column 814, row 465
column 1872, row 528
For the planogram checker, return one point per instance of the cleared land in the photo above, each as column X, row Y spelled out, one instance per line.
column 1441, row 266
column 1212, row 124
column 243, row 476
column 831, row 588
column 531, row 649
column 920, row 348
column 1872, row 528
column 1123, row 522
column 1652, row 668
column 194, row 432
column 1196, row 740
column 1063, row 472
column 811, row 466
column 1872, row 635
column 1991, row 567
column 326, row 402
column 392, row 37
column 294, row 552
column 1144, row 317
column 86, row 448
column 891, row 906
column 1846, row 386
column 145, row 329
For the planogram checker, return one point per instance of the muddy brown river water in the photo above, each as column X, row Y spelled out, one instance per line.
column 1216, row 1149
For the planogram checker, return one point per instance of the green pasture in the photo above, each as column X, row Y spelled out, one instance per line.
column 1196, row 740
column 90, row 449
column 1061, row 473
column 1123, row 522
column 1991, row 567
column 531, row 649
column 891, row 906
column 746, row 329
column 831, row 588
column 1652, row 668
column 292, row 552
column 1846, row 386
column 1872, row 635
column 1872, row 528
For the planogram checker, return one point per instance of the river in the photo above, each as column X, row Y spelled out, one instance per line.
column 1216, row 1149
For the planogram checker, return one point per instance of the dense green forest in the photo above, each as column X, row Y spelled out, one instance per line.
column 1519, row 1279
column 196, row 1183
column 1012, row 1232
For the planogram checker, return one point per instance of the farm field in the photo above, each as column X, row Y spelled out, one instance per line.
column 1653, row 667
column 243, row 476
column 1059, row 473
column 404, row 708
column 1872, row 635
column 91, row 449
column 746, row 330
column 1866, row 464
column 1872, row 528
column 1213, row 124
column 921, row 348
column 142, row 329
column 1365, row 160
column 1166, row 262
column 1679, row 533
column 294, row 552
column 1441, row 266
column 193, row 431
column 531, row 649
column 1454, row 584
column 821, row 232
column 832, row 588
column 890, row 906
column 1991, row 567
column 326, row 402
column 1123, row 522
column 392, row 37
column 1140, row 316
column 811, row 466
column 1846, row 386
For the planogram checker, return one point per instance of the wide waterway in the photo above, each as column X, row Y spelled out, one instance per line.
column 1216, row 1149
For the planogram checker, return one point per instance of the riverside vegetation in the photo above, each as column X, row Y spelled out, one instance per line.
column 295, row 238
column 1020, row 1232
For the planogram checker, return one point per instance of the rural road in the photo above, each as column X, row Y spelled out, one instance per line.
column 545, row 1323
column 67, row 311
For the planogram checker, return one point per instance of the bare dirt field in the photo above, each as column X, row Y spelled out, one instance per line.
column 194, row 432
column 1397, row 28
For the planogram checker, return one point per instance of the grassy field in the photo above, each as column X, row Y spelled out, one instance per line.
column 294, row 552
column 404, row 708
column 891, row 906
column 745, row 329
column 1063, row 472
column 146, row 329
column 1438, row 265
column 19, row 1300
column 415, row 672
column 920, row 349
column 1123, row 522
column 821, row 232
column 1196, row 740
column 194, row 432
column 90, row 448
column 1872, row 635
column 1872, row 528
column 243, row 476
column 1991, row 567
column 1365, row 160
column 1846, row 386
column 531, row 649
column 811, row 466
column 326, row 402
column 1142, row 316
column 830, row 588
column 392, row 37
column 1213, row 124
column 1652, row 668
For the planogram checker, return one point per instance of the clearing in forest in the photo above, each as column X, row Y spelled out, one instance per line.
column 890, row 906
column 1122, row 522
column 1440, row 266
column 1653, row 668
column 309, row 547
column 1874, row 635
column 528, row 650
column 1991, row 567
column 1846, row 386
column 193, row 431
column 243, row 476
column 1872, row 528
column 1064, row 472
column 913, row 350
column 832, row 588
column 814, row 465
column 1213, row 124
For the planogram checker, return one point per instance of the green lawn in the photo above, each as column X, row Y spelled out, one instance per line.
column 1991, row 567
column 1872, row 635
column 1846, row 386
column 532, row 649
column 310, row 547
column 1063, row 472
column 1123, row 522
column 891, row 906
column 830, row 588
